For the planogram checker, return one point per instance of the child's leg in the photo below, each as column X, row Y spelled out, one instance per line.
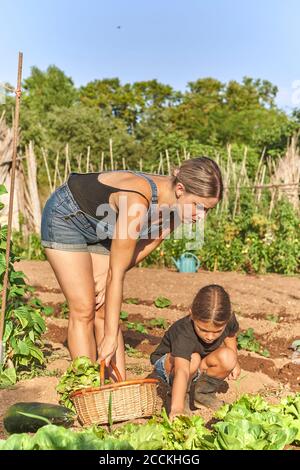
column 215, row 368
column 219, row 363
column 194, row 364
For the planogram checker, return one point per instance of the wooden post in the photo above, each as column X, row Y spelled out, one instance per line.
column 32, row 186
column 102, row 161
column 168, row 163
column 45, row 157
column 11, row 201
column 111, row 154
column 79, row 163
column 88, row 159
column 56, row 171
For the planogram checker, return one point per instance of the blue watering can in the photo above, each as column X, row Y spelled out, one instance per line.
column 187, row 263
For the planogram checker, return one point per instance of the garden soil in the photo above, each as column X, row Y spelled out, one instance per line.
column 270, row 304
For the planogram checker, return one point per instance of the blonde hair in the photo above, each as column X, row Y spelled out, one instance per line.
column 200, row 176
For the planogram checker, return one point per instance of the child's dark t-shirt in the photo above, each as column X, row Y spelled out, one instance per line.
column 182, row 341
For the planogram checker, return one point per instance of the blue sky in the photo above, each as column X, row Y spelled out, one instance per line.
column 175, row 41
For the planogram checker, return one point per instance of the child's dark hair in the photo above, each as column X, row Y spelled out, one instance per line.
column 212, row 304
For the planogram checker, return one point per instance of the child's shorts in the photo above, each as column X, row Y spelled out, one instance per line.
column 160, row 369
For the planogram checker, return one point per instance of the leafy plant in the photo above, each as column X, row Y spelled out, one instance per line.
column 273, row 318
column 248, row 342
column 132, row 352
column 64, row 310
column 139, row 327
column 132, row 300
column 53, row 437
column 123, row 315
column 158, row 323
column 249, row 423
column 81, row 373
column 24, row 324
column 162, row 302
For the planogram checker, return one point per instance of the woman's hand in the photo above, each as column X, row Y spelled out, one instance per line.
column 107, row 349
column 235, row 373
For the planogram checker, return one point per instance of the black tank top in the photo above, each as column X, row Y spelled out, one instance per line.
column 89, row 193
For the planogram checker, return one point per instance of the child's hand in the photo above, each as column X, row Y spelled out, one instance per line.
column 235, row 373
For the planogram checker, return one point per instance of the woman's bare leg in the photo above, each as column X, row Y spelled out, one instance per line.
column 74, row 273
column 100, row 269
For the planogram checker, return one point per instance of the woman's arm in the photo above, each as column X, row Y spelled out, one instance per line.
column 145, row 246
column 122, row 251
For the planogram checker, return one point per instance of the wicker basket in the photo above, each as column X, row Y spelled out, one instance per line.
column 124, row 400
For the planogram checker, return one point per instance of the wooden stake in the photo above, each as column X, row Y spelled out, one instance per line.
column 102, row 161
column 45, row 157
column 111, row 154
column 11, row 201
column 168, row 163
column 88, row 159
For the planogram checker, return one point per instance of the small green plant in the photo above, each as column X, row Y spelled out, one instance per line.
column 132, row 300
column 132, row 352
column 24, row 324
column 273, row 318
column 45, row 310
column 137, row 327
column 123, row 315
column 158, row 323
column 162, row 302
column 246, row 340
column 64, row 310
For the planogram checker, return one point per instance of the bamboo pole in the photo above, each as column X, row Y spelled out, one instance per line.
column 111, row 154
column 11, row 199
column 56, row 171
column 45, row 157
column 88, row 159
column 102, row 161
column 168, row 162
column 67, row 162
column 124, row 163
column 79, row 162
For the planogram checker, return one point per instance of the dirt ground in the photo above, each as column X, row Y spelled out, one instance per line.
column 269, row 304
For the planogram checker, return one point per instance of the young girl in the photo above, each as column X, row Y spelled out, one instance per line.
column 201, row 347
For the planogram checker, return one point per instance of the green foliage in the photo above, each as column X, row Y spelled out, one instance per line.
column 162, row 302
column 123, row 315
column 248, row 424
column 132, row 352
column 29, row 248
column 24, row 324
column 139, row 327
column 250, row 242
column 131, row 300
column 80, row 374
column 147, row 117
column 158, row 322
column 53, row 437
column 248, row 342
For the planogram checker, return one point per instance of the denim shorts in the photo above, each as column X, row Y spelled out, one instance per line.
column 160, row 369
column 66, row 227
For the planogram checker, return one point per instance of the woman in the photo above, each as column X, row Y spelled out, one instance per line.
column 93, row 230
